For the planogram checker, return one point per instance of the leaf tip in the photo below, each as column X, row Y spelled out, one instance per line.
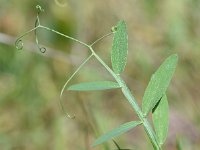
column 175, row 56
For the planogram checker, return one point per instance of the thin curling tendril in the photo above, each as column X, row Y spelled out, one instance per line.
column 39, row 9
column 37, row 24
column 101, row 38
column 67, row 114
column 19, row 44
column 114, row 29
column 70, row 78
column 42, row 49
column 66, row 83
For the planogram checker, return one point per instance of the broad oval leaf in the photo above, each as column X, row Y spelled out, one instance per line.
column 92, row 86
column 119, row 48
column 158, row 84
column 117, row 131
column 161, row 119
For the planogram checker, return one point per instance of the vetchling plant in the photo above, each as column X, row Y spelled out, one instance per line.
column 154, row 100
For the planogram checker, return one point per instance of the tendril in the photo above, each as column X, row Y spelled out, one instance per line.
column 37, row 24
column 67, row 114
column 19, row 44
column 66, row 83
column 42, row 49
column 114, row 29
column 39, row 9
column 101, row 38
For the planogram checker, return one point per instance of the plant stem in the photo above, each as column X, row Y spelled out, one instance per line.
column 138, row 111
column 132, row 101
column 120, row 81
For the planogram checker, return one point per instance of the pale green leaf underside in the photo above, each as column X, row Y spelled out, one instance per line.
column 161, row 119
column 92, row 86
column 158, row 84
column 116, row 132
column 119, row 48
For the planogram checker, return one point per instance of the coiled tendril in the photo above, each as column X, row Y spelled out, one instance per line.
column 114, row 29
column 66, row 113
column 42, row 49
column 37, row 24
column 19, row 44
column 39, row 9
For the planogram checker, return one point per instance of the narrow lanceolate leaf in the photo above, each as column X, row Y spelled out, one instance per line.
column 119, row 48
column 161, row 119
column 158, row 84
column 92, row 86
column 117, row 131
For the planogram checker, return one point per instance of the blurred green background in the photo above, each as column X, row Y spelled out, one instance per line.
column 30, row 82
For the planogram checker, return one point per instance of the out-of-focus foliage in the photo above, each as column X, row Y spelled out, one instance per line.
column 30, row 115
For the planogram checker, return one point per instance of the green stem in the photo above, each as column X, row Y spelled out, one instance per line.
column 132, row 101
column 124, row 88
column 147, row 126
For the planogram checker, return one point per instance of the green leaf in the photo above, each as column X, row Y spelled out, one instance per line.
column 117, row 131
column 92, row 86
column 161, row 119
column 158, row 84
column 119, row 48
